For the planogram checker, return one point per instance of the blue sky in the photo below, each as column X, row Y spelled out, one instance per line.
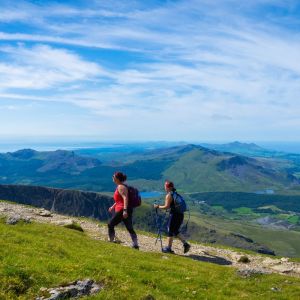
column 150, row 70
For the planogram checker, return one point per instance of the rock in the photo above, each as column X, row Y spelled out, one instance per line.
column 74, row 289
column 95, row 290
column 250, row 272
column 12, row 220
column 26, row 219
column 64, row 222
column 270, row 262
column 284, row 259
column 275, row 289
column 44, row 213
column 283, row 268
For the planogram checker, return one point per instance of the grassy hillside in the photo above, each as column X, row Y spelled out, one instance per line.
column 197, row 169
column 39, row 255
column 283, row 242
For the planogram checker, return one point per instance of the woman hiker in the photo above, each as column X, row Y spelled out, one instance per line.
column 175, row 220
column 120, row 210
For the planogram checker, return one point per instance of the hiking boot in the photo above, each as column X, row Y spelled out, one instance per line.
column 135, row 247
column 186, row 247
column 116, row 241
column 167, row 250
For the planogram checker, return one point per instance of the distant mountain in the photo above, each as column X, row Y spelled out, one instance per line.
column 283, row 160
column 249, row 149
column 193, row 168
column 59, row 168
column 59, row 160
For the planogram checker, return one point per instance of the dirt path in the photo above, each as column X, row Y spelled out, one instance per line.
column 258, row 263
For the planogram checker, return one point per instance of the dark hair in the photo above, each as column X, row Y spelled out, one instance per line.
column 169, row 185
column 120, row 176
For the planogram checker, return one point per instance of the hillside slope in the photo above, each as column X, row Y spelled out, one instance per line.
column 69, row 202
column 95, row 205
column 70, row 255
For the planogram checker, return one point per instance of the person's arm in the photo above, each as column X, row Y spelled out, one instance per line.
column 112, row 207
column 123, row 191
column 167, row 204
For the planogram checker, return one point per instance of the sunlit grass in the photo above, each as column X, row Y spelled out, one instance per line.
column 41, row 255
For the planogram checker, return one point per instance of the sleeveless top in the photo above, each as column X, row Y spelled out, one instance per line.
column 118, row 200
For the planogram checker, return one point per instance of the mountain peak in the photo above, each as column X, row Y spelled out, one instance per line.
column 252, row 146
column 23, row 153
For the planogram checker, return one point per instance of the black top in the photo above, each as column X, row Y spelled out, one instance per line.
column 172, row 205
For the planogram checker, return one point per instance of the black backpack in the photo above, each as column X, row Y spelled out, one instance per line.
column 179, row 203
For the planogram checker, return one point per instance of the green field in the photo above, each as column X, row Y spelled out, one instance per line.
column 39, row 255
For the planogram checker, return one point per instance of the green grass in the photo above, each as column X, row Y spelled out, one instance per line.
column 74, row 226
column 283, row 242
column 294, row 219
column 41, row 255
column 243, row 210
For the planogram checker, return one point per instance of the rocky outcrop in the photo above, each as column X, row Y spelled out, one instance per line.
column 76, row 289
column 16, row 218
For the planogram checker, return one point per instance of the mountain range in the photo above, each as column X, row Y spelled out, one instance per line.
column 193, row 168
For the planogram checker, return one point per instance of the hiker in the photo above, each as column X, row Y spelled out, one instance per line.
column 120, row 210
column 175, row 219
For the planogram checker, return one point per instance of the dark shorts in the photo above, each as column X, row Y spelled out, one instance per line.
column 174, row 223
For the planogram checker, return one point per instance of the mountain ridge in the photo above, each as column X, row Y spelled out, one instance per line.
column 192, row 167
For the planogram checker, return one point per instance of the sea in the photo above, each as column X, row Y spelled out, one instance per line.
column 38, row 146
column 11, row 146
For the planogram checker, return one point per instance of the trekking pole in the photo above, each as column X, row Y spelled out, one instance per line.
column 158, row 226
column 184, row 228
column 158, row 238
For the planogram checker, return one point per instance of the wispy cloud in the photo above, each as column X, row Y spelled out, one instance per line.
column 42, row 66
column 227, row 62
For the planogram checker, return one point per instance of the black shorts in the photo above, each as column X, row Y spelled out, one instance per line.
column 174, row 223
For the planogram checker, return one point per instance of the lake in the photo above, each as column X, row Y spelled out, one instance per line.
column 153, row 194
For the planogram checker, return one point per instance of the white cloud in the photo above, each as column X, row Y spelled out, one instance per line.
column 208, row 61
column 43, row 67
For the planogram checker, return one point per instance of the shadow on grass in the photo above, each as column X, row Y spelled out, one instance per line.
column 211, row 259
